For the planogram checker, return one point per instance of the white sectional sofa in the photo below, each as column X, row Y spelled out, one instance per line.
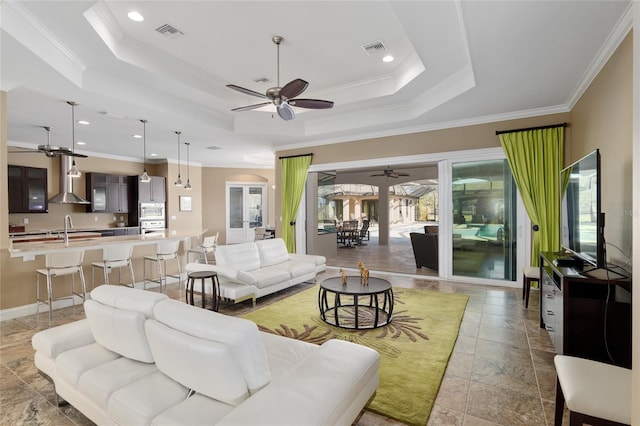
column 140, row 358
column 256, row 269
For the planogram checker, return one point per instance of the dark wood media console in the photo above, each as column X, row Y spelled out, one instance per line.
column 585, row 314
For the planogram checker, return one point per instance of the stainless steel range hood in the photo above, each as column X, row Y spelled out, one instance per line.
column 66, row 195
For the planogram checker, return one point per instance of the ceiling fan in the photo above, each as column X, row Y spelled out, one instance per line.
column 283, row 97
column 50, row 150
column 389, row 173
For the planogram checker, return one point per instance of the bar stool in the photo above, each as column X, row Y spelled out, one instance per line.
column 202, row 276
column 114, row 257
column 596, row 393
column 56, row 265
column 164, row 251
column 531, row 273
column 208, row 245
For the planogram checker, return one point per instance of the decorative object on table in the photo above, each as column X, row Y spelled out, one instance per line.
column 414, row 348
column 364, row 274
column 344, row 276
column 365, row 277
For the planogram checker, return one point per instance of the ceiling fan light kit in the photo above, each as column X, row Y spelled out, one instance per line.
column 283, row 98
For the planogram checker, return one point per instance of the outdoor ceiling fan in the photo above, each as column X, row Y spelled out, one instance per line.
column 283, row 97
column 48, row 149
column 389, row 173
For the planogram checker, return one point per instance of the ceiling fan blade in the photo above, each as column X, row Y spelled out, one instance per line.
column 401, row 174
column 294, row 88
column 286, row 112
column 247, row 91
column 75, row 154
column 311, row 103
column 250, row 107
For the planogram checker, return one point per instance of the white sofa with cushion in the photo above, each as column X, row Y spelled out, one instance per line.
column 140, row 358
column 256, row 269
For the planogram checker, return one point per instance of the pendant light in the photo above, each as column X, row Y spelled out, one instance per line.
column 188, row 185
column 179, row 181
column 144, row 178
column 73, row 172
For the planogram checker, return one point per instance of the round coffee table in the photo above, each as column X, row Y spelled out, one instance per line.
column 364, row 307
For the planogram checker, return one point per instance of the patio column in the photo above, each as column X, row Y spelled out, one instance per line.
column 383, row 214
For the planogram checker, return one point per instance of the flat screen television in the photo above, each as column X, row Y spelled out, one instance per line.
column 582, row 217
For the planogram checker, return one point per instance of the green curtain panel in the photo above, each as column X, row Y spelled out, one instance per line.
column 294, row 177
column 536, row 158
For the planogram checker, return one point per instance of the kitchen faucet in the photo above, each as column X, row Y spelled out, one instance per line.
column 67, row 224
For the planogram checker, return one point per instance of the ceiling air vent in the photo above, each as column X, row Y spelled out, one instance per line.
column 374, row 47
column 169, row 31
column 261, row 80
column 213, row 147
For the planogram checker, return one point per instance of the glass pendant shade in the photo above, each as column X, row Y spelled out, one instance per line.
column 188, row 184
column 144, row 177
column 178, row 182
column 73, row 172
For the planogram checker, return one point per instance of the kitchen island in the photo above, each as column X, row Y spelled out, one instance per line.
column 28, row 250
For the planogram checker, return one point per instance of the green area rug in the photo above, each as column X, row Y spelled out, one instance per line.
column 414, row 349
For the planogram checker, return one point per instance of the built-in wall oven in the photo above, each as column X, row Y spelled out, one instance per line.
column 152, row 217
column 152, row 211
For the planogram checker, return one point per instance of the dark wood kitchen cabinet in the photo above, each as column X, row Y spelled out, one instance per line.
column 27, row 190
column 152, row 192
column 97, row 192
column 109, row 193
column 118, row 193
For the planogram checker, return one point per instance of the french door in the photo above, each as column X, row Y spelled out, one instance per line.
column 246, row 210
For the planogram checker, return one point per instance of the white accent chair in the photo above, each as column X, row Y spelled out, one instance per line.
column 114, row 257
column 164, row 251
column 208, row 245
column 595, row 393
column 56, row 265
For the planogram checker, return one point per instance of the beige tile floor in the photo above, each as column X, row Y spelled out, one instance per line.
column 500, row 373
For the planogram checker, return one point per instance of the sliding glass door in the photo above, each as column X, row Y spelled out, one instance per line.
column 484, row 218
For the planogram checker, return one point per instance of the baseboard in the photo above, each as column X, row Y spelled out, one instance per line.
column 31, row 309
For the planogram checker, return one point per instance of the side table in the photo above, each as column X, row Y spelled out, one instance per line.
column 202, row 276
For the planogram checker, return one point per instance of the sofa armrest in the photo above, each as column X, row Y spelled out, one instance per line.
column 54, row 341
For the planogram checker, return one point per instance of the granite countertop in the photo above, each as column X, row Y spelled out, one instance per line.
column 36, row 248
column 54, row 231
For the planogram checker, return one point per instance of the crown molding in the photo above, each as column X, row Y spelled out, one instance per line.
column 18, row 21
column 620, row 31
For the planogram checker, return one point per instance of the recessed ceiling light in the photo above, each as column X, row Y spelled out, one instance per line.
column 387, row 58
column 80, row 143
column 135, row 16
column 153, row 154
column 137, row 136
column 85, row 122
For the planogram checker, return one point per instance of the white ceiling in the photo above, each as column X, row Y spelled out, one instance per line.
column 456, row 63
